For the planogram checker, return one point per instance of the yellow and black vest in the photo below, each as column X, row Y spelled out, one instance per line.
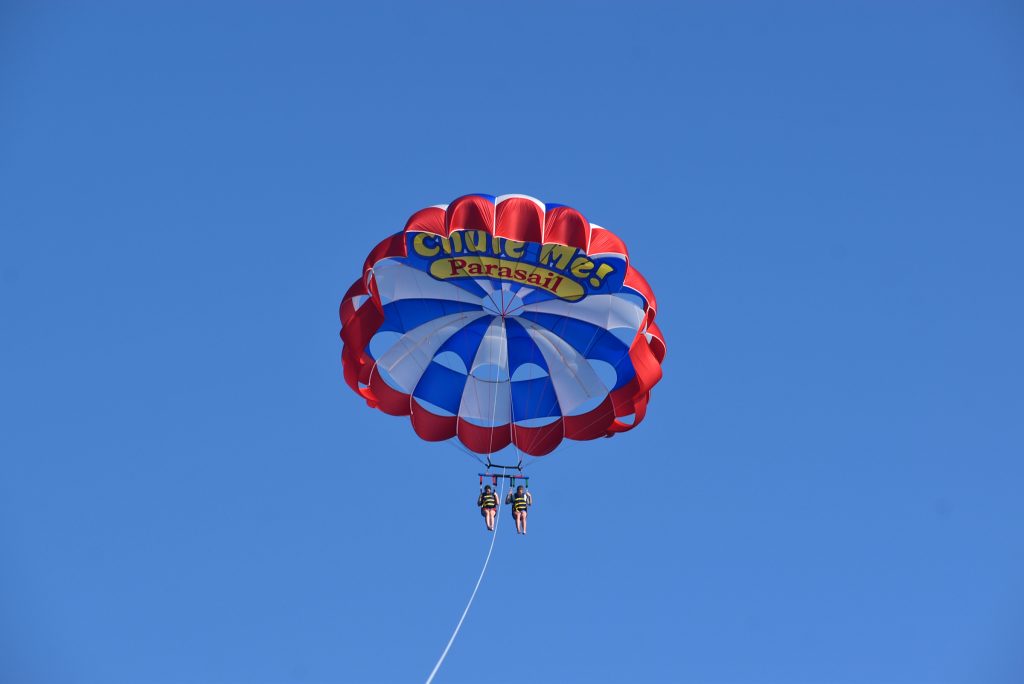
column 488, row 500
column 519, row 502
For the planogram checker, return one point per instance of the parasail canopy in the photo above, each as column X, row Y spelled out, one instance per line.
column 502, row 320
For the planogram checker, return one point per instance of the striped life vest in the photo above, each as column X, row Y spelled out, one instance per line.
column 519, row 502
column 488, row 501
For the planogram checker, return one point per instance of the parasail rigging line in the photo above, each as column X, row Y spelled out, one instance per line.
column 483, row 570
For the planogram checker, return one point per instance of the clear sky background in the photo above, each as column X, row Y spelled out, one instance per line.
column 826, row 198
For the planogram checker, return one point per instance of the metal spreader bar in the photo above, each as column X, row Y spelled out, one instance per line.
column 508, row 476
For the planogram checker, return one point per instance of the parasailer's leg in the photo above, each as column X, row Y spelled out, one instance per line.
column 524, row 521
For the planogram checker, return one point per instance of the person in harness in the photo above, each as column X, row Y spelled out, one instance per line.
column 520, row 500
column 488, row 503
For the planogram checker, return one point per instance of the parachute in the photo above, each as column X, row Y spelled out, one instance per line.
column 503, row 321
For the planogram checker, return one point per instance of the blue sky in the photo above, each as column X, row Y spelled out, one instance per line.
column 826, row 198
